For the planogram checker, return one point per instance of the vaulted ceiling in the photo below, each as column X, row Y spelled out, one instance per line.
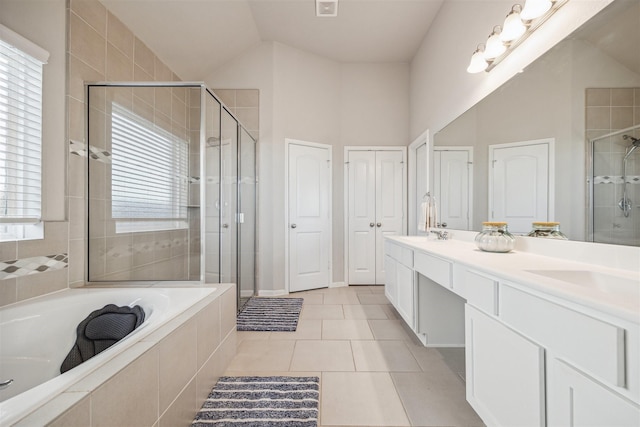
column 194, row 37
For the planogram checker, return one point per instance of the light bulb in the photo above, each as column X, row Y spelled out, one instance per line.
column 513, row 27
column 478, row 64
column 495, row 47
column 534, row 9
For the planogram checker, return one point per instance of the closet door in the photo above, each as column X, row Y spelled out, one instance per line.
column 362, row 217
column 376, row 198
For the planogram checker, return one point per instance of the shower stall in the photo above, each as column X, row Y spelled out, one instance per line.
column 172, row 189
column 614, row 187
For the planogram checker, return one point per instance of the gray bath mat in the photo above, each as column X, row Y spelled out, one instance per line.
column 261, row 402
column 270, row 314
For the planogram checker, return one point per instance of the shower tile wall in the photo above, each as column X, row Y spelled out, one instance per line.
column 608, row 110
column 101, row 48
column 245, row 105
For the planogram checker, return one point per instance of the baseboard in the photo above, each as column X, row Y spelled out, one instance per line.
column 337, row 285
column 246, row 293
column 272, row 293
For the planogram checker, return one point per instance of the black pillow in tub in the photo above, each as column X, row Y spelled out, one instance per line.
column 100, row 330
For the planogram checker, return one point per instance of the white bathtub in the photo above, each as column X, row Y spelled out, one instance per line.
column 36, row 335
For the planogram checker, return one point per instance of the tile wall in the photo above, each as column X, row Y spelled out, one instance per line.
column 608, row 110
column 245, row 105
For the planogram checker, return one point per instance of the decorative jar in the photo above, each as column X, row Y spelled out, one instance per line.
column 548, row 230
column 495, row 237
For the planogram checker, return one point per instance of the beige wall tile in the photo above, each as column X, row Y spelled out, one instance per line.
column 228, row 310
column 179, row 111
column 79, row 73
column 162, row 72
column 248, row 98
column 622, row 97
column 177, row 362
column 144, row 57
column 56, row 235
column 119, row 255
column 111, row 404
column 8, row 251
column 227, row 96
column 77, row 259
column 598, row 97
column 621, row 117
column 143, row 101
column 97, row 127
column 8, row 292
column 183, row 410
column 76, row 120
column 34, row 285
column 598, row 118
column 119, row 35
column 78, row 416
column 119, row 67
column 208, row 326
column 77, row 215
column 163, row 101
column 86, row 43
column 76, row 175
column 93, row 12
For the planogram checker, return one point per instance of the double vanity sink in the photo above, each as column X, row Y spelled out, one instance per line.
column 549, row 340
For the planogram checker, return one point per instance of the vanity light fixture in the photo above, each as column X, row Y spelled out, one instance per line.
column 513, row 27
column 478, row 63
column 326, row 8
column 495, row 46
column 535, row 8
column 519, row 24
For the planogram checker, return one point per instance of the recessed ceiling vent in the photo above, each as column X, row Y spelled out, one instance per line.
column 326, row 8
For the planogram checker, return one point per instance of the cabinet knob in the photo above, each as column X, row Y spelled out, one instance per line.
column 371, row 224
column 379, row 224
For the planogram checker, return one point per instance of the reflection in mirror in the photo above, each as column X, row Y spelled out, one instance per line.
column 586, row 87
column 141, row 154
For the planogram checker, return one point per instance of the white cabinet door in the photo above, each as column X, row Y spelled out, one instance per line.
column 576, row 400
column 391, row 284
column 404, row 283
column 505, row 373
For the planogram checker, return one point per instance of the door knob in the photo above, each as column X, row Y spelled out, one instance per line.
column 371, row 224
column 225, row 225
column 379, row 224
column 294, row 225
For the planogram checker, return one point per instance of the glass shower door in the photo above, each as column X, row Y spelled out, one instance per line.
column 228, row 198
column 212, row 210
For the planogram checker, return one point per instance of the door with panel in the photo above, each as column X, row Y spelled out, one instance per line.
column 452, row 182
column 376, row 198
column 309, row 200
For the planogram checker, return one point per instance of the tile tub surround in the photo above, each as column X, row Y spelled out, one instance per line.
column 372, row 371
column 167, row 375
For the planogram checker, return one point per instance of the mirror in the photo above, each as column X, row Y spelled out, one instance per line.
column 585, row 87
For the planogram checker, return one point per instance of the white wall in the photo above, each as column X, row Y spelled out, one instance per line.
column 44, row 23
column 307, row 97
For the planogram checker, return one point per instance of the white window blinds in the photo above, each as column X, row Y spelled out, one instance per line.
column 150, row 166
column 20, row 132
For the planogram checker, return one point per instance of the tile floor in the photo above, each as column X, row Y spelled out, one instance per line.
column 373, row 371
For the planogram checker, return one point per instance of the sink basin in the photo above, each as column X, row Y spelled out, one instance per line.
column 590, row 279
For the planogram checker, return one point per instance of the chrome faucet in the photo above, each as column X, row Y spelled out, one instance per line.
column 442, row 234
column 5, row 384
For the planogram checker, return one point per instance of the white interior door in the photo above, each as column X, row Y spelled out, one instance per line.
column 519, row 179
column 376, row 197
column 362, row 216
column 309, row 217
column 422, row 182
column 390, row 191
column 452, row 186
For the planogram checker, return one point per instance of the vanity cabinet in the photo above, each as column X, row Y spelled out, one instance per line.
column 577, row 400
column 399, row 281
column 505, row 373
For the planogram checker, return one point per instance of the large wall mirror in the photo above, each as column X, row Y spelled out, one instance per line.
column 581, row 99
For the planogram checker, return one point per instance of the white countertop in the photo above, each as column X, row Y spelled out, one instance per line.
column 619, row 294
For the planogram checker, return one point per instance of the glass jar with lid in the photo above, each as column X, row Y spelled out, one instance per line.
column 548, row 230
column 495, row 237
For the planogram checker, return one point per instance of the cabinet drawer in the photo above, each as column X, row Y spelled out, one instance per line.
column 481, row 292
column 393, row 250
column 399, row 253
column 595, row 346
column 434, row 268
column 406, row 257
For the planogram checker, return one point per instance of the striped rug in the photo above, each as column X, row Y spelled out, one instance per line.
column 270, row 314
column 261, row 402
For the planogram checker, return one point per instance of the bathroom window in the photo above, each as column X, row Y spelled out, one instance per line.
column 21, row 73
column 150, row 175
